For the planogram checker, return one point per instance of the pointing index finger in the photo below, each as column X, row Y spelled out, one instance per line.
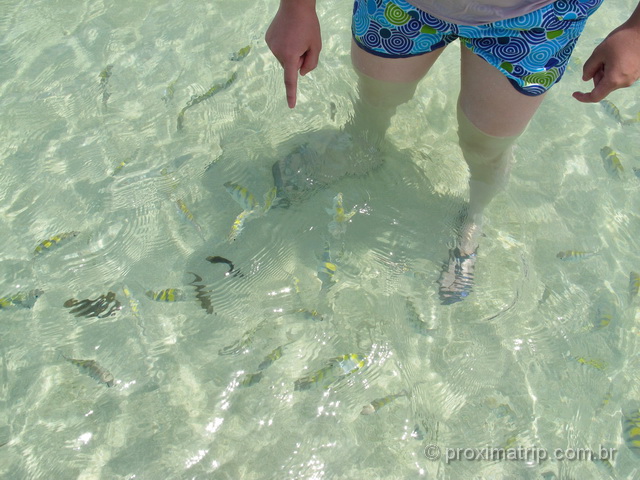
column 291, row 81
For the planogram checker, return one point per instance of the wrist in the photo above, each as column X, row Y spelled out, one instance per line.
column 298, row 3
column 634, row 19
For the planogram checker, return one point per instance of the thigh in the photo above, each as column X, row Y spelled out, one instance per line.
column 516, row 61
column 392, row 70
column 490, row 101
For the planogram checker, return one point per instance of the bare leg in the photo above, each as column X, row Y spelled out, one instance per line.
column 491, row 116
column 383, row 85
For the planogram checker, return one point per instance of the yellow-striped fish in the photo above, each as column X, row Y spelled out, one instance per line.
column 238, row 224
column 105, row 74
column 275, row 354
column 611, row 162
column 121, row 165
column 166, row 295
column 269, row 199
column 196, row 99
column 167, row 94
column 326, row 268
column 93, row 369
column 338, row 226
column 55, row 241
column 134, row 305
column 104, row 81
column 182, row 207
column 378, row 403
column 241, row 345
column 250, row 379
column 241, row 195
column 612, row 110
column 21, row 299
column 568, row 255
column 631, row 428
column 596, row 363
column 240, row 54
column 413, row 318
column 338, row 368
column 634, row 285
column 307, row 314
column 604, row 317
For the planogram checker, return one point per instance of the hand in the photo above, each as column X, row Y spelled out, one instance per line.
column 294, row 39
column 615, row 63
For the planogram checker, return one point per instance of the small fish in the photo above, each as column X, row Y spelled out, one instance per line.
column 104, row 80
column 56, row 240
column 326, row 268
column 241, row 345
column 378, row 403
column 166, row 295
column 238, row 224
column 251, row 379
column 307, row 314
column 596, row 363
column 196, row 99
column 134, row 305
column 605, row 314
column 612, row 110
column 182, row 207
column 636, row 172
column 242, row 196
column 240, row 54
column 105, row 74
column 413, row 318
column 21, row 299
column 269, row 199
column 167, row 94
column 569, row 255
column 338, row 226
column 120, row 166
column 338, row 368
column 216, row 259
column 631, row 429
column 275, row 354
column 545, row 295
column 93, row 369
column 634, row 285
column 102, row 307
column 611, row 162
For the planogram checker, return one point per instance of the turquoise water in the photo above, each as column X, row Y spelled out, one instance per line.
column 501, row 369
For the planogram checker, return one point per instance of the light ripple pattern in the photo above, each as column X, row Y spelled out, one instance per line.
column 90, row 93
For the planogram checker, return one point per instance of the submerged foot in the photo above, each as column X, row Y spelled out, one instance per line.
column 456, row 278
column 328, row 156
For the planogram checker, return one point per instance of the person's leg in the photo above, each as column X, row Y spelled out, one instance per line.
column 383, row 85
column 491, row 116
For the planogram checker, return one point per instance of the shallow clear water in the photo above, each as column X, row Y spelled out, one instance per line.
column 498, row 369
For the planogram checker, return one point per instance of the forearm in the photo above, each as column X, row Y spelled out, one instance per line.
column 298, row 4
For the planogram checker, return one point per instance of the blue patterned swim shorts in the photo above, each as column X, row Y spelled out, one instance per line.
column 531, row 50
